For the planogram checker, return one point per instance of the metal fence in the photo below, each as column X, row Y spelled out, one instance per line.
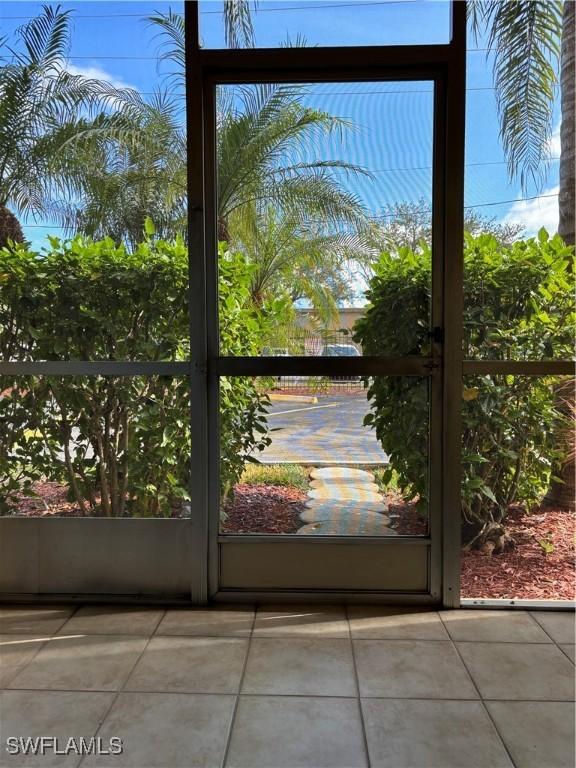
column 316, row 343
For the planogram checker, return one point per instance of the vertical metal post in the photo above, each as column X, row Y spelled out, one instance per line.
column 196, row 308
column 453, row 304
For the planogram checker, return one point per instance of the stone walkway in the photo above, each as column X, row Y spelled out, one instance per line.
column 343, row 501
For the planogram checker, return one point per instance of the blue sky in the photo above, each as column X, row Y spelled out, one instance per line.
column 393, row 121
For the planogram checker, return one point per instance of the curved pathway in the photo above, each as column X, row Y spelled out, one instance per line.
column 344, row 501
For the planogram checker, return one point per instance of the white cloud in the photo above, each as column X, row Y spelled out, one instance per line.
column 97, row 73
column 533, row 214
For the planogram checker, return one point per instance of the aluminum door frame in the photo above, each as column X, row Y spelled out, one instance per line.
column 445, row 65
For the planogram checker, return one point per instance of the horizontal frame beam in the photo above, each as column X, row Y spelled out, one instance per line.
column 282, row 538
column 518, row 367
column 95, row 368
column 324, row 366
column 397, row 58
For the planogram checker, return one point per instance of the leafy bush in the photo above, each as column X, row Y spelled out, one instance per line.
column 518, row 305
column 121, row 444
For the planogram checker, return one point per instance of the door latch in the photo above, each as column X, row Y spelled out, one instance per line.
column 437, row 334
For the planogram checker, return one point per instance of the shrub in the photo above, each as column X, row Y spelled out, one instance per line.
column 290, row 475
column 121, row 444
column 518, row 305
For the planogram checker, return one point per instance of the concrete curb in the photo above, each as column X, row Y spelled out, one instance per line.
column 293, row 398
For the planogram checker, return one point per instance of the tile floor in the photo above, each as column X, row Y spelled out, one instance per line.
column 287, row 686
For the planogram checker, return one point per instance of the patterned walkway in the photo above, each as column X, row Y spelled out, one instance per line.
column 343, row 501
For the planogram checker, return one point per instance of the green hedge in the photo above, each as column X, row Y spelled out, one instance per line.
column 518, row 304
column 120, row 444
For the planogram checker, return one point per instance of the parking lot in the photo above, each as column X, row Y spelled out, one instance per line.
column 330, row 431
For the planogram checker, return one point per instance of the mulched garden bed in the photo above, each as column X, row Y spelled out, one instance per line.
column 404, row 518
column 527, row 571
column 263, row 509
column 540, row 566
column 51, row 500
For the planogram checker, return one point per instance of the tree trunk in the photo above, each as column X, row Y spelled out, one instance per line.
column 561, row 495
column 10, row 228
column 566, row 197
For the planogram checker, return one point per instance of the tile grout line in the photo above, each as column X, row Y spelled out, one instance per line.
column 43, row 644
column 116, row 694
column 357, row 679
column 543, row 628
column 481, row 698
column 565, row 653
column 287, row 695
column 240, row 684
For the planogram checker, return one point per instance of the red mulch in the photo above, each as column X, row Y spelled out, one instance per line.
column 404, row 518
column 526, row 572
column 263, row 509
column 51, row 500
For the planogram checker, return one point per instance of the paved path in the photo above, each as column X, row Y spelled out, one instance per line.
column 343, row 501
column 324, row 433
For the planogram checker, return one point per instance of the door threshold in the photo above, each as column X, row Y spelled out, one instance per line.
column 539, row 605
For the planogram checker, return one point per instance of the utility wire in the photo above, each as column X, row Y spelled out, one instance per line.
column 375, row 218
column 308, row 7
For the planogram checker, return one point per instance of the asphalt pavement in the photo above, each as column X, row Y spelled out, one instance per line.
column 329, row 432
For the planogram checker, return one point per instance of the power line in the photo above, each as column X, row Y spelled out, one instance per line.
column 504, row 202
column 308, row 7
column 429, row 167
column 382, row 216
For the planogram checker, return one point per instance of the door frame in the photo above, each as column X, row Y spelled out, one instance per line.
column 443, row 64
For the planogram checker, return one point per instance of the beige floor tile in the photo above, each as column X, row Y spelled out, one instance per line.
column 420, row 669
column 374, row 622
column 568, row 649
column 59, row 714
column 538, row 734
column 560, row 625
column 291, row 732
column 301, row 621
column 431, row 734
column 15, row 652
column 519, row 671
column 190, row 665
column 314, row 667
column 494, row 626
column 83, row 662
column 113, row 620
column 41, row 619
column 167, row 730
column 232, row 621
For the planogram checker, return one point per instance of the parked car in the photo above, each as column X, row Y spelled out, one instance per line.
column 341, row 350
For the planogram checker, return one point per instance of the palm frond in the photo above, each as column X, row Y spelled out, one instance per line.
column 238, row 27
column 524, row 36
column 172, row 46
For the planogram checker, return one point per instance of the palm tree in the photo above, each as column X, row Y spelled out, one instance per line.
column 294, row 259
column 134, row 176
column 566, row 201
column 262, row 132
column 528, row 38
column 44, row 111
